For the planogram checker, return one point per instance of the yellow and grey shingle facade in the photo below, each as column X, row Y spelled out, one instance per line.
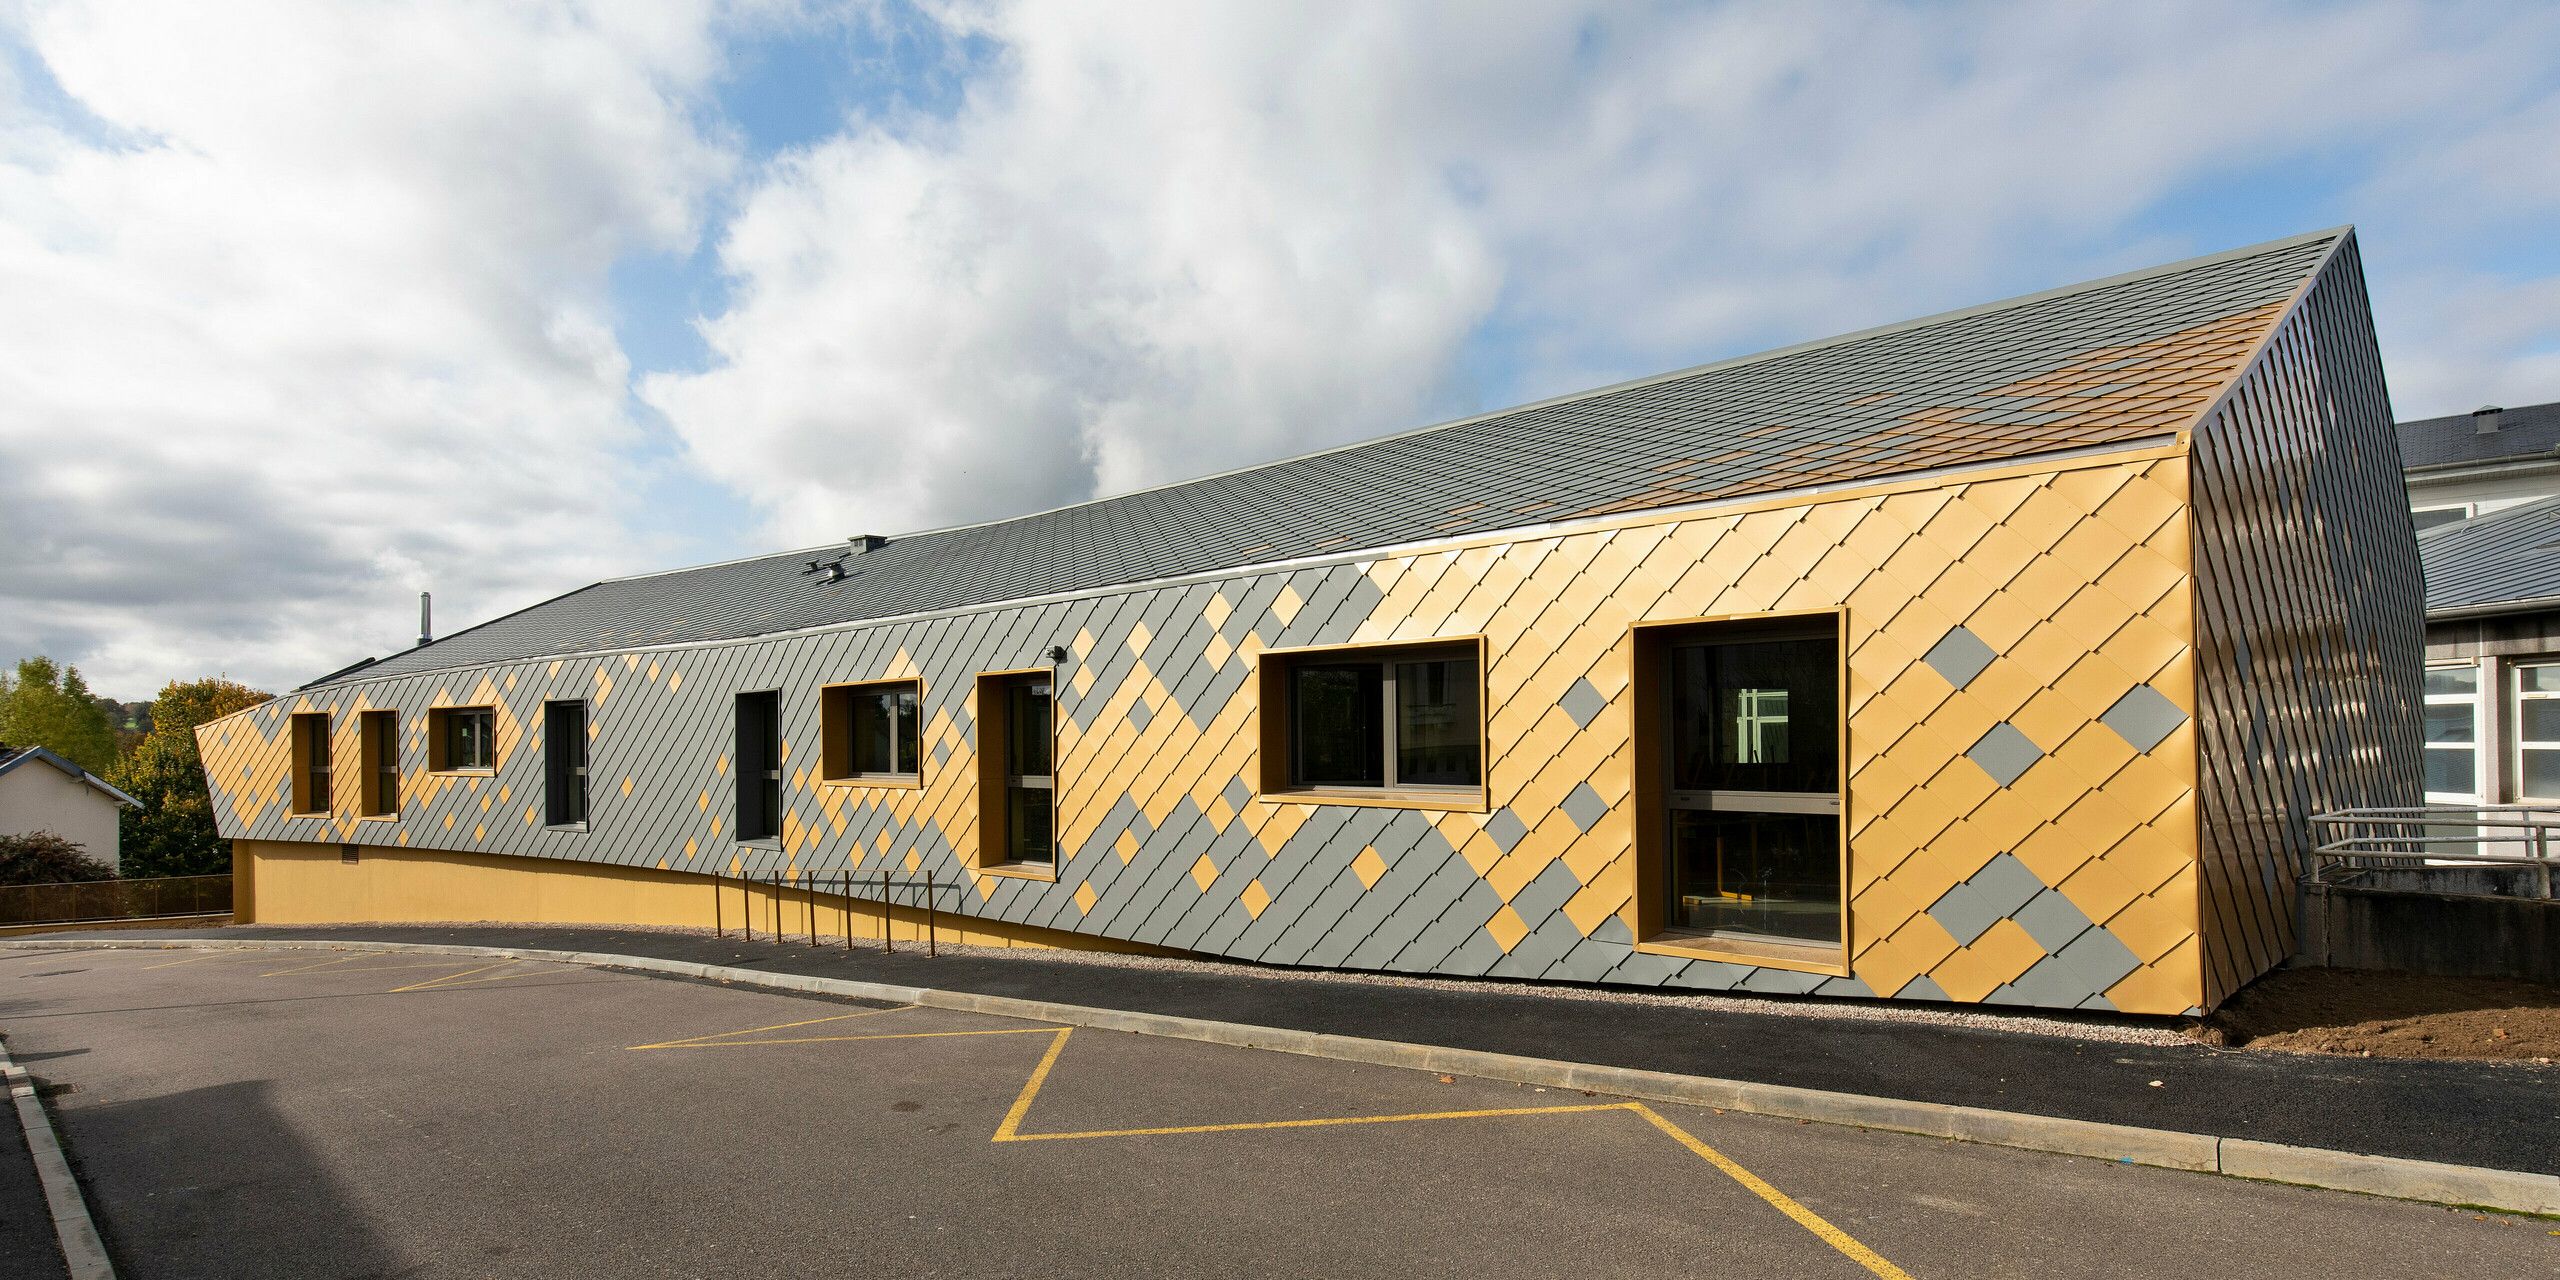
column 2123, row 580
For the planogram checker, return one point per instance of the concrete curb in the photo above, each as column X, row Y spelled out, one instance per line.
column 2390, row 1176
column 82, row 1252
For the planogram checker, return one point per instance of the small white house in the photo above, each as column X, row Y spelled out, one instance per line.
column 41, row 791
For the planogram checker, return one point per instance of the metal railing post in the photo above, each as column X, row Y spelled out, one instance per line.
column 888, row 938
column 929, row 943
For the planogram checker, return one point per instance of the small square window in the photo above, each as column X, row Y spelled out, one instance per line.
column 869, row 733
column 462, row 739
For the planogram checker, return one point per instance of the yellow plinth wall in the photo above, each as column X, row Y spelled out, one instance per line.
column 299, row 882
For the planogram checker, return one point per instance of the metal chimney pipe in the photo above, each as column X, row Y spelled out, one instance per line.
column 426, row 619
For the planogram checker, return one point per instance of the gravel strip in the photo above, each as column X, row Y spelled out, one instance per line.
column 2102, row 1028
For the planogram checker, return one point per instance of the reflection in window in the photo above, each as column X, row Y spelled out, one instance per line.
column 1771, row 874
column 1029, row 788
column 884, row 729
column 1754, row 840
column 1385, row 724
column 2538, row 732
column 1733, row 710
column 2452, row 732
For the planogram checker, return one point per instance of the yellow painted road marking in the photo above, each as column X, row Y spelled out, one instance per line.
column 904, row 1035
column 364, row 968
column 1011, row 1131
column 779, row 1026
column 464, row 978
column 190, row 960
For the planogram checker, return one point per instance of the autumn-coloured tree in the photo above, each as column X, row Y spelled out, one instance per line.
column 48, row 705
column 173, row 833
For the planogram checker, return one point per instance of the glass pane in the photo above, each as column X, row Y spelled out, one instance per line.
column 1436, row 723
column 1756, row 717
column 875, row 732
column 2448, row 680
column 1773, row 875
column 2449, row 769
column 1026, row 825
column 1027, row 729
column 1338, row 725
column 2538, row 720
column 903, row 702
column 2449, row 721
column 2541, row 780
column 319, row 742
column 2538, row 679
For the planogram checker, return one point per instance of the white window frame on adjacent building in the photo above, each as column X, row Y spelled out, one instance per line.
column 2452, row 686
column 2534, row 684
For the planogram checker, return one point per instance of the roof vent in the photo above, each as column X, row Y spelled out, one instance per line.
column 865, row 543
column 2484, row 420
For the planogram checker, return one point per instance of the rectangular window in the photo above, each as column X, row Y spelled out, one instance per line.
column 1406, row 719
column 759, row 765
column 868, row 732
column 2425, row 518
column 462, row 739
column 2453, row 733
column 1017, row 780
column 381, row 764
column 1738, row 748
column 564, row 763
column 311, row 763
column 2537, row 714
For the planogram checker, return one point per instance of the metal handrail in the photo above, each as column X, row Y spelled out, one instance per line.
column 2429, row 836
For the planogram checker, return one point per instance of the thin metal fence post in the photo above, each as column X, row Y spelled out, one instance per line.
column 747, row 901
column 929, row 944
column 719, row 926
column 809, row 899
column 846, row 881
column 888, row 937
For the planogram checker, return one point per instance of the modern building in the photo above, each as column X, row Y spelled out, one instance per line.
column 2493, row 656
column 1994, row 656
column 42, row 791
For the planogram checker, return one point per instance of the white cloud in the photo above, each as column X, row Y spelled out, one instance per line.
column 307, row 311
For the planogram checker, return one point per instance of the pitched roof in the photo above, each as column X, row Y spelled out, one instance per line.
column 12, row 757
column 2456, row 440
column 2509, row 557
column 2109, row 363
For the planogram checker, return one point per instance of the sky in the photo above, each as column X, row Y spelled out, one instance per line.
column 307, row 307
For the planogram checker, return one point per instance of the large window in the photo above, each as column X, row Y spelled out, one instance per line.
column 311, row 763
column 2453, row 733
column 1738, row 748
column 1017, row 778
column 462, row 739
column 381, row 750
column 564, row 763
column 759, row 765
column 869, row 733
column 2537, row 732
column 1376, row 720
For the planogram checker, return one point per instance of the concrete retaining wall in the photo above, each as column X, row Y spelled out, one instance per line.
column 2363, row 926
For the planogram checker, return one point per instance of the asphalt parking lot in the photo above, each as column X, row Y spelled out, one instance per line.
column 237, row 1114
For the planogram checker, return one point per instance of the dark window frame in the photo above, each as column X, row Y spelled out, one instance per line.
column 313, row 749
column 442, row 724
column 758, row 765
column 1285, row 774
column 379, row 767
column 567, row 787
column 1000, row 787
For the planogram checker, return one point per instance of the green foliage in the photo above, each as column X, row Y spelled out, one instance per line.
column 173, row 833
column 48, row 705
column 41, row 857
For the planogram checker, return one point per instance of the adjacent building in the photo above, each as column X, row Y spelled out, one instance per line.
column 1997, row 656
column 42, row 791
column 2490, row 459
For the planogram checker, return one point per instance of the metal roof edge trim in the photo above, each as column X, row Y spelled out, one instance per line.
column 2342, row 234
column 2533, row 463
column 2346, row 235
column 2492, row 519
column 2164, row 444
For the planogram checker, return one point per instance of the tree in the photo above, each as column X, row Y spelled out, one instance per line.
column 41, row 857
column 48, row 705
column 173, row 833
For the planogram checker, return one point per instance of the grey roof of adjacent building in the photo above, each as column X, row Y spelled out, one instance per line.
column 2457, row 440
column 11, row 758
column 2050, row 372
column 2505, row 558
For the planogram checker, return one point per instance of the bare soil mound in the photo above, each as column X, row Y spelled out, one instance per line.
column 2384, row 1014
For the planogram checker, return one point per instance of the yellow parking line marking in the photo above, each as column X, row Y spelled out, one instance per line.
column 1011, row 1131
column 365, row 968
column 779, row 1026
column 453, row 980
column 1811, row 1221
column 190, row 960
column 906, row 1035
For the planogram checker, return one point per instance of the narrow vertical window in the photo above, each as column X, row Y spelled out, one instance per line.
column 564, row 763
column 311, row 763
column 759, row 765
column 2453, row 733
column 380, row 731
column 1030, row 789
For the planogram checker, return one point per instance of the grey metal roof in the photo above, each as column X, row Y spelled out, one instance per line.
column 2532, row 431
column 2505, row 556
column 2110, row 362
